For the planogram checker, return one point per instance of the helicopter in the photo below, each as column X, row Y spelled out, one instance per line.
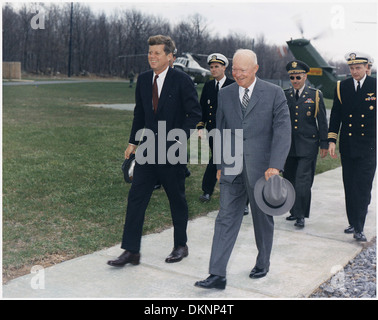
column 188, row 64
column 185, row 63
column 321, row 74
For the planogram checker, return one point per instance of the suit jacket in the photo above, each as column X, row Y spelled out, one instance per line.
column 266, row 130
column 209, row 104
column 178, row 105
column 357, row 117
column 308, row 126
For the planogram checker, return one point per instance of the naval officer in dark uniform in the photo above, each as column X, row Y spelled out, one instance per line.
column 354, row 109
column 309, row 132
column 209, row 102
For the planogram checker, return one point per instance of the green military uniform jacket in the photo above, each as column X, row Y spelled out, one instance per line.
column 308, row 122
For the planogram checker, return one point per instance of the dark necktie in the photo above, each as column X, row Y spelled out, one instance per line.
column 358, row 87
column 217, row 87
column 296, row 95
column 245, row 98
column 155, row 95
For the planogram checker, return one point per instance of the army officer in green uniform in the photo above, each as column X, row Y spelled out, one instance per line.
column 309, row 132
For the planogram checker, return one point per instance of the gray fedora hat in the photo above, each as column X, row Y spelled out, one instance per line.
column 128, row 168
column 275, row 196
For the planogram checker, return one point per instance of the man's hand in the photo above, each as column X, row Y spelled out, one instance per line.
column 271, row 172
column 218, row 175
column 200, row 133
column 332, row 150
column 323, row 152
column 129, row 150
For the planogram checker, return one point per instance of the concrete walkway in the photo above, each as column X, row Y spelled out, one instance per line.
column 301, row 259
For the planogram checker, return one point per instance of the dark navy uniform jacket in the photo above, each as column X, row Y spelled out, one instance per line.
column 209, row 103
column 308, row 122
column 357, row 117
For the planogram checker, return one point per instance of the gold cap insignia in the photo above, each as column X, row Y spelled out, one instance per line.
column 294, row 64
column 352, row 56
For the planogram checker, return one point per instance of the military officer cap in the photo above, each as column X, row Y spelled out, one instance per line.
column 356, row 57
column 297, row 66
column 217, row 57
column 371, row 61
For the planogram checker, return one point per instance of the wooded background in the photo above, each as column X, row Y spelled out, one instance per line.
column 116, row 44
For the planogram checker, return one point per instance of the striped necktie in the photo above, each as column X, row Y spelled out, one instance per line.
column 245, row 98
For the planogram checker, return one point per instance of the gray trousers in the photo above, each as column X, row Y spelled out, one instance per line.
column 233, row 197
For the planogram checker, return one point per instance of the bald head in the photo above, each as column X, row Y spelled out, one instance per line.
column 247, row 54
column 244, row 67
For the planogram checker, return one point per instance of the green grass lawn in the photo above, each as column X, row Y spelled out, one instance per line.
column 63, row 188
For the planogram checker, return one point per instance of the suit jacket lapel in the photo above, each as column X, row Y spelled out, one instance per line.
column 147, row 90
column 237, row 104
column 256, row 95
column 164, row 91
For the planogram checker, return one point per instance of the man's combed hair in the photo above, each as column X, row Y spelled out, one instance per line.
column 169, row 44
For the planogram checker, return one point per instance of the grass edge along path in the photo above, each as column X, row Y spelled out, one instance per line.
column 63, row 191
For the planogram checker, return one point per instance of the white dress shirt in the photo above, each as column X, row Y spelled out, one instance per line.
column 242, row 90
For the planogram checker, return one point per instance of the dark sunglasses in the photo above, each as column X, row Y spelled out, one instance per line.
column 297, row 77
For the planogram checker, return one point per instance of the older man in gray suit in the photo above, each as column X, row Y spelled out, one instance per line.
column 259, row 110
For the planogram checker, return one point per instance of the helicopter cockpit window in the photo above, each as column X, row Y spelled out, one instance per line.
column 182, row 61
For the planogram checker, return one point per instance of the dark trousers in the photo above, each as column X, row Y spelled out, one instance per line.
column 300, row 172
column 358, row 176
column 209, row 179
column 172, row 177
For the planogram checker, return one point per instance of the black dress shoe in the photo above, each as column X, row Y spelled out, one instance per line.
column 157, row 186
column 125, row 258
column 359, row 236
column 258, row 273
column 291, row 218
column 246, row 210
column 350, row 229
column 177, row 254
column 205, row 197
column 300, row 223
column 212, row 282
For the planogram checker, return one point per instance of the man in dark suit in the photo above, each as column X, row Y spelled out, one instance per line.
column 309, row 130
column 165, row 98
column 354, row 108
column 209, row 102
column 254, row 123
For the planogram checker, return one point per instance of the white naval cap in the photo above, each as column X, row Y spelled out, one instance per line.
column 217, row 57
column 355, row 57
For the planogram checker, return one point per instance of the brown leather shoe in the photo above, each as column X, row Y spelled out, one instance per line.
column 125, row 258
column 177, row 254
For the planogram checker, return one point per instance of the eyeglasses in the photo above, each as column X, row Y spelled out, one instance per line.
column 297, row 77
